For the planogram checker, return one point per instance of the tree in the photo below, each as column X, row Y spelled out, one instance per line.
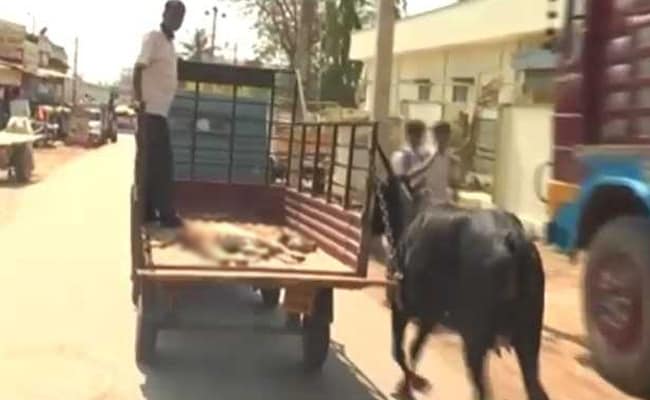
column 198, row 47
column 340, row 75
column 277, row 24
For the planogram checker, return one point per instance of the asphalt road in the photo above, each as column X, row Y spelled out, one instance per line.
column 67, row 324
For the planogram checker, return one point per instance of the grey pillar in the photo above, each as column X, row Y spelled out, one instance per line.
column 383, row 65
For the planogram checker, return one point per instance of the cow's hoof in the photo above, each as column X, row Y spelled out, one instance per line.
column 403, row 391
column 421, row 384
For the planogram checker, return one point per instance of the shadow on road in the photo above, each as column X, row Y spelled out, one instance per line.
column 228, row 363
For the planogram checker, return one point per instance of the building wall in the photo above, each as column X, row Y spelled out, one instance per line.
column 524, row 144
column 482, row 62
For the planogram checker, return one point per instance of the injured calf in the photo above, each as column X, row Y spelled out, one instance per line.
column 241, row 244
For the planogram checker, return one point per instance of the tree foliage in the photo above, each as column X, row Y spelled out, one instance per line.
column 340, row 75
column 277, row 25
column 198, row 47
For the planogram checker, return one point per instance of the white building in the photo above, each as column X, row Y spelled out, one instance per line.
column 491, row 52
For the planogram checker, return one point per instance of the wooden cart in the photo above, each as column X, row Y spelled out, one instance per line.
column 209, row 182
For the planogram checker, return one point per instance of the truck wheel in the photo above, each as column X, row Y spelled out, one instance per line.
column 316, row 332
column 617, row 303
column 270, row 297
column 23, row 163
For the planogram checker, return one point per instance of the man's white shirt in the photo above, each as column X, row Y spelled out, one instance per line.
column 160, row 73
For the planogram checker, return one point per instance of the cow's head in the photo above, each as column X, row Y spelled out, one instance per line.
column 397, row 195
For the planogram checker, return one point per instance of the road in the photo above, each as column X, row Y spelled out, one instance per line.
column 67, row 324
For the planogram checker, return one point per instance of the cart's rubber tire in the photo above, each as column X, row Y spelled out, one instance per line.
column 135, row 290
column 618, row 274
column 315, row 343
column 114, row 139
column 270, row 297
column 23, row 163
column 137, row 250
column 145, row 339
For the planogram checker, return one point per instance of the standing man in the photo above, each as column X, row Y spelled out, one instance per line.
column 155, row 80
column 434, row 175
column 414, row 152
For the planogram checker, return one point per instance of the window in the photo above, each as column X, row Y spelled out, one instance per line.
column 424, row 89
column 460, row 90
column 538, row 84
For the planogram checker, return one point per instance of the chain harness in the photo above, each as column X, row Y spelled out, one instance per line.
column 394, row 273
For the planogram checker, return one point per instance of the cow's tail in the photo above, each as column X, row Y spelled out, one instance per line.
column 528, row 276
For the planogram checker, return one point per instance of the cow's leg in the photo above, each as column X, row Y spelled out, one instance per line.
column 399, row 321
column 475, row 351
column 527, row 349
column 424, row 329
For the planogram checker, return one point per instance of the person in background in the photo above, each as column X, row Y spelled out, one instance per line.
column 433, row 176
column 414, row 151
column 155, row 81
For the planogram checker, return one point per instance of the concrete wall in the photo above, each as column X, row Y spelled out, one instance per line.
column 483, row 63
column 524, row 143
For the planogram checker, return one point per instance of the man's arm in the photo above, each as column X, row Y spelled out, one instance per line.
column 137, row 82
column 143, row 61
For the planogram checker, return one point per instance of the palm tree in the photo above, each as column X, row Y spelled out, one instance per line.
column 198, row 48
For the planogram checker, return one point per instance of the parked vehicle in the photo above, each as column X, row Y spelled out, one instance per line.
column 600, row 193
column 221, row 151
column 17, row 141
column 125, row 118
column 102, row 124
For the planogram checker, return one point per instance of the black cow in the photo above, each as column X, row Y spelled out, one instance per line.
column 477, row 268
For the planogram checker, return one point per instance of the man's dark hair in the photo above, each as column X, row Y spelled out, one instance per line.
column 441, row 128
column 174, row 3
column 415, row 127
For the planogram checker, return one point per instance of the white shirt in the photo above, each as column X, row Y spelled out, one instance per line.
column 403, row 161
column 160, row 74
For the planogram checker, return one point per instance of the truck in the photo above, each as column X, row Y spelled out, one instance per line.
column 599, row 195
column 223, row 122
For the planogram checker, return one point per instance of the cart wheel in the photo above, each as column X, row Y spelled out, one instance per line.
column 23, row 163
column 135, row 290
column 617, row 303
column 316, row 332
column 137, row 250
column 145, row 338
column 271, row 297
column 315, row 343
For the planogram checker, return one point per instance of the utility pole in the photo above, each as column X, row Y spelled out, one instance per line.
column 383, row 65
column 75, row 72
column 215, row 12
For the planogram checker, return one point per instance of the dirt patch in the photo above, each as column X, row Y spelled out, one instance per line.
column 46, row 160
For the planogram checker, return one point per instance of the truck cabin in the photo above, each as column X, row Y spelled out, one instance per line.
column 602, row 113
